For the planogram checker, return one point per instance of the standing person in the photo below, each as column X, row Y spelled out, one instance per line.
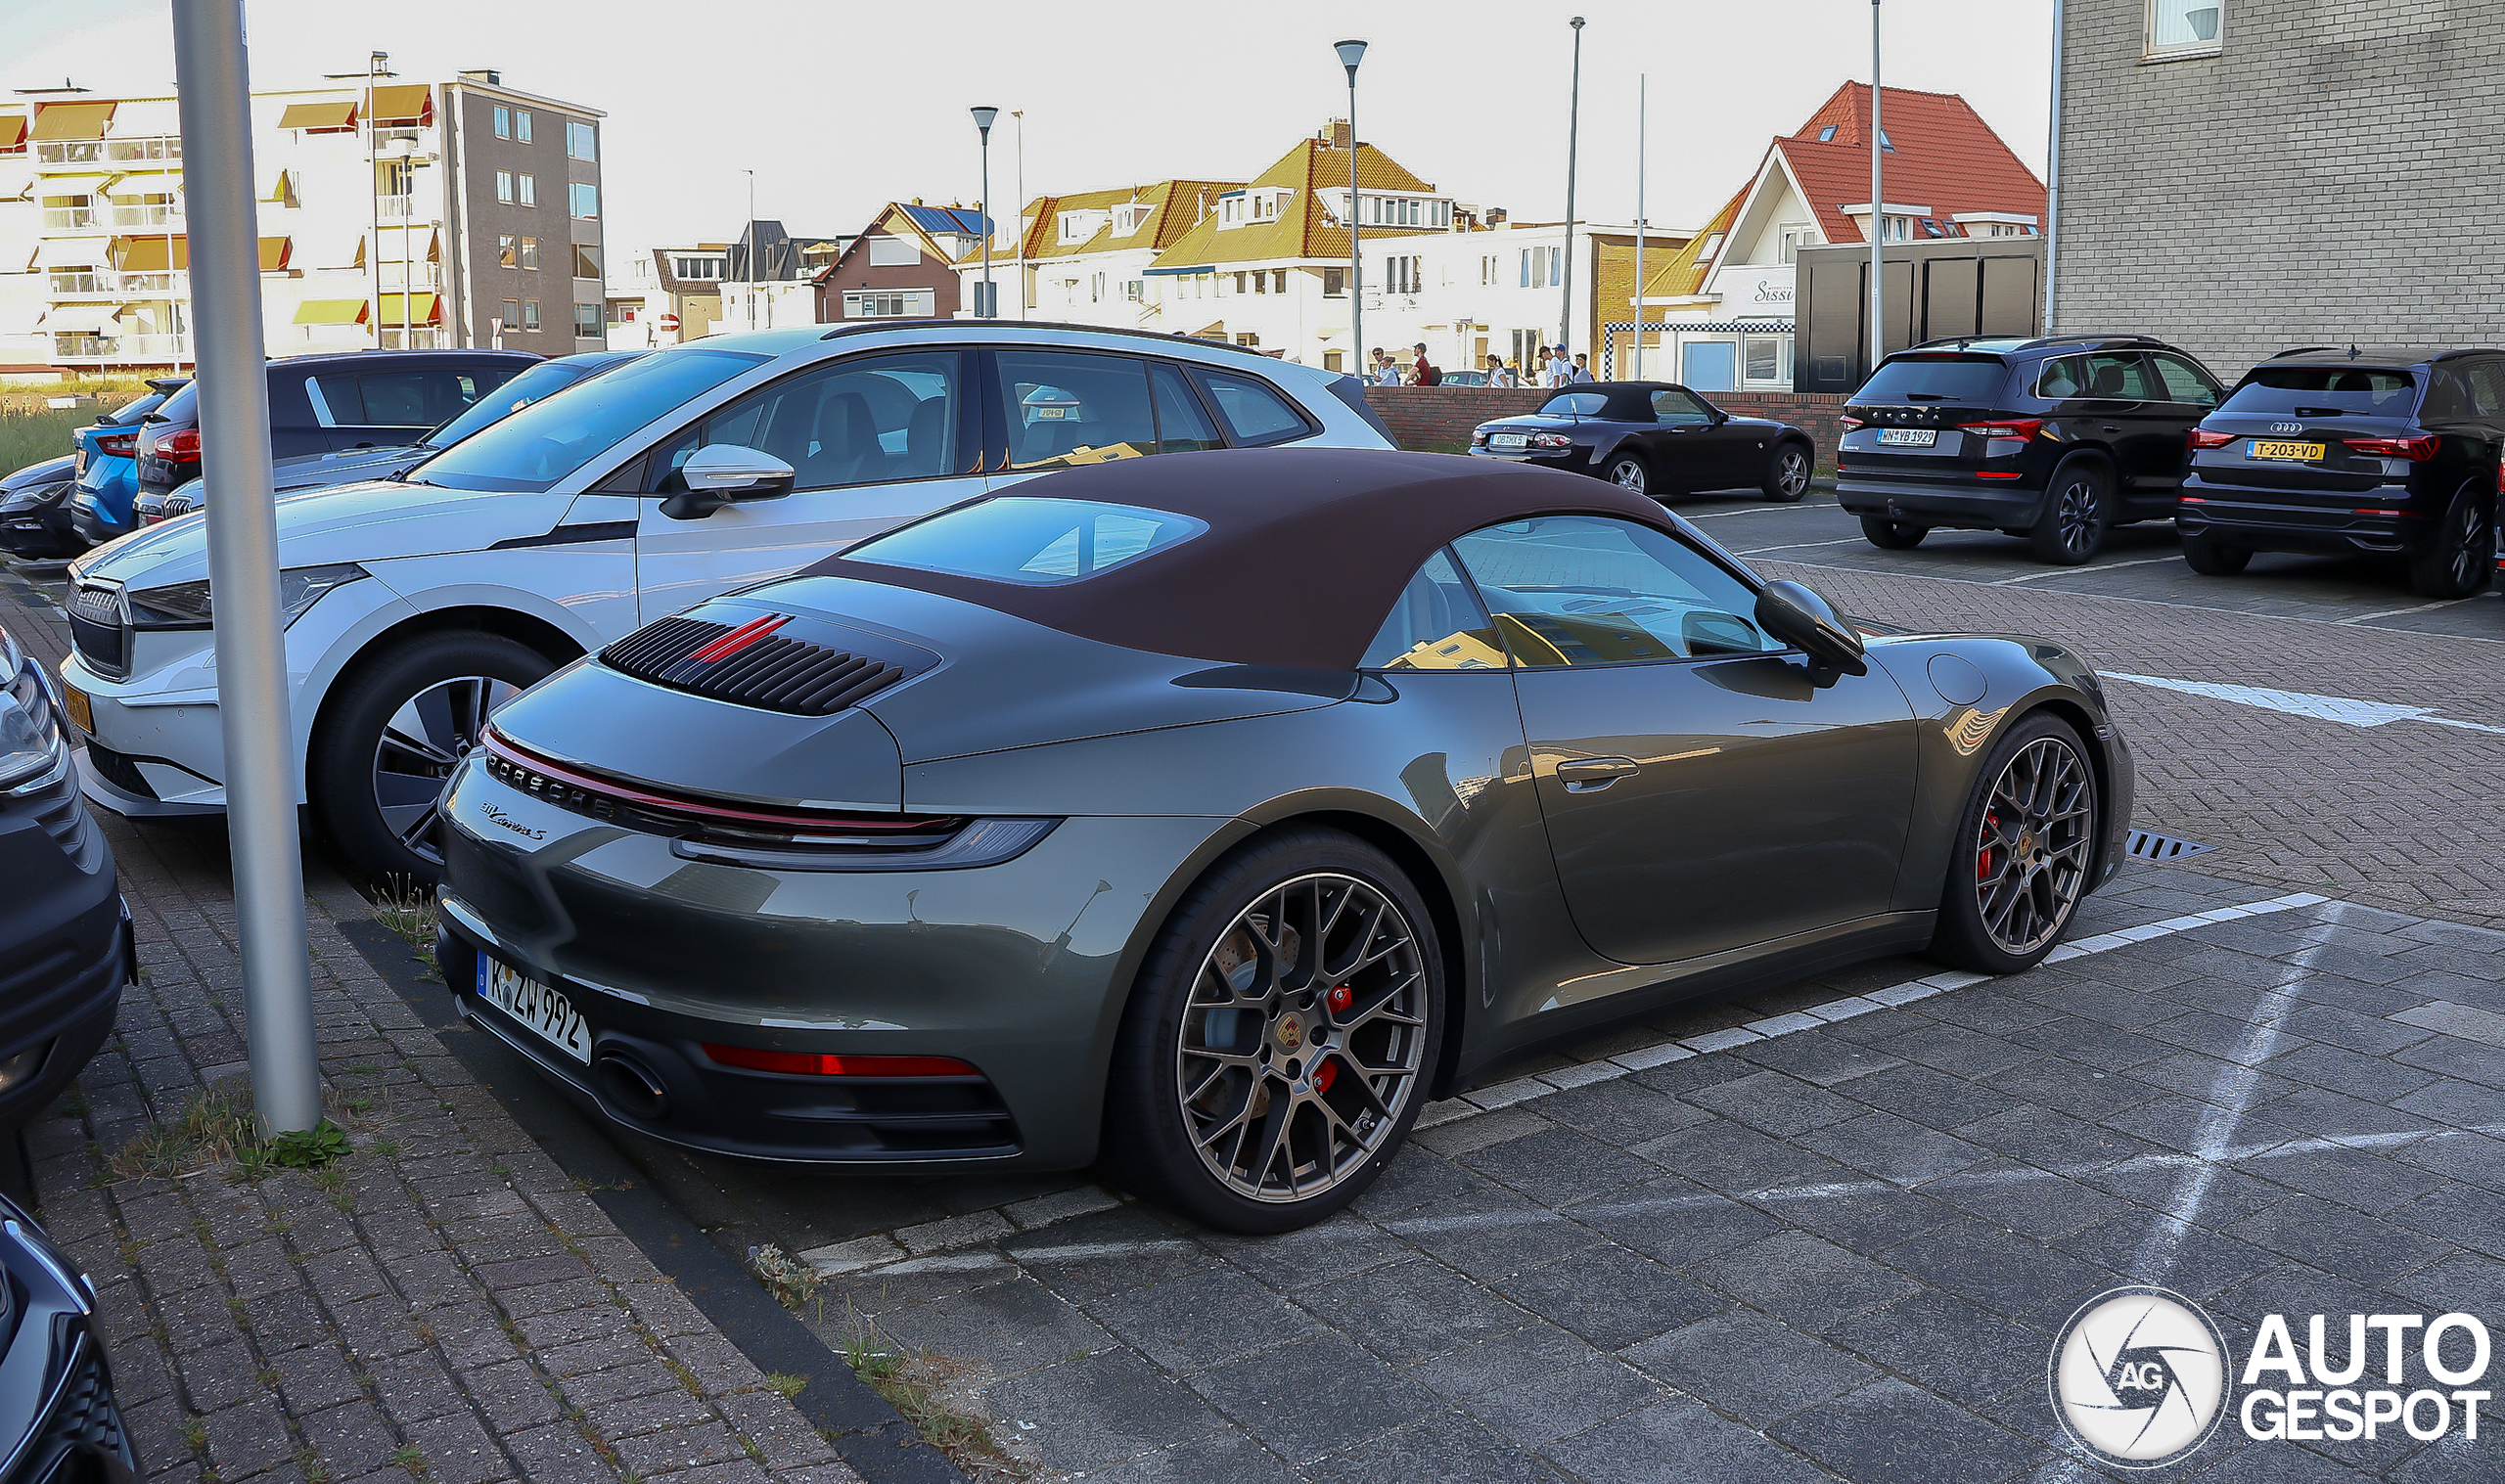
column 1422, row 372
column 1499, row 375
column 1559, row 371
column 1385, row 373
column 1582, row 371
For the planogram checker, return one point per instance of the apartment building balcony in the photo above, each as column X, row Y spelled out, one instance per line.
column 77, row 219
column 146, row 218
column 79, row 153
column 408, row 210
column 76, row 350
column 81, row 285
column 415, row 337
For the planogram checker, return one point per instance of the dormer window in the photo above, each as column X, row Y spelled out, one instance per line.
column 1712, row 244
column 1827, row 135
column 1129, row 219
column 1080, row 226
column 1230, row 212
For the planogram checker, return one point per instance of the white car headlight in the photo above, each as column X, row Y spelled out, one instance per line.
column 29, row 732
column 186, row 604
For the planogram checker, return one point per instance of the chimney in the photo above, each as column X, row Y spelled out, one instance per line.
column 1336, row 134
column 1496, row 214
column 489, row 76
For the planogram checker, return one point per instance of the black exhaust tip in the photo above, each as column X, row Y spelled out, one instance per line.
column 636, row 1089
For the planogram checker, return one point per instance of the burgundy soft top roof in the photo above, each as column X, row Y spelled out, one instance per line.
column 1305, row 550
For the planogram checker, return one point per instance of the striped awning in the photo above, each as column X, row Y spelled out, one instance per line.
column 85, row 183
column 12, row 130
column 330, row 312
column 319, row 116
column 57, row 121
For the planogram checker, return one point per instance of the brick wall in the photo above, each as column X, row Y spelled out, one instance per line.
column 1439, row 419
column 2332, row 175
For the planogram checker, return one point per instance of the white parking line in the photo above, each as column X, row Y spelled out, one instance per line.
column 2340, row 709
column 2416, row 608
column 2078, row 571
column 1752, row 509
column 1540, row 1084
column 1797, row 545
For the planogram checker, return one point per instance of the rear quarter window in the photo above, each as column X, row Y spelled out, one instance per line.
column 1254, row 412
column 1936, row 378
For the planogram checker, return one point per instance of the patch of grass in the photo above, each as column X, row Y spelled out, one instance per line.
column 786, row 1382
column 914, row 1382
column 210, row 1127
column 409, row 1457
column 408, row 910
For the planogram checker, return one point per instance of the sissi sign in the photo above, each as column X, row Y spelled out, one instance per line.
column 1753, row 291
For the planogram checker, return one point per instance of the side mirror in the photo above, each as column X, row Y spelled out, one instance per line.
column 1807, row 622
column 720, row 473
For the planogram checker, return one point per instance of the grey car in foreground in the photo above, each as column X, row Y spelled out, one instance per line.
column 1206, row 815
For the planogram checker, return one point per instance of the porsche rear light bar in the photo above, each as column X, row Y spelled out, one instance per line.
column 821, row 1065
column 605, row 798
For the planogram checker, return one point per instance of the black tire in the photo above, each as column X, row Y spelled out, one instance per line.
column 2463, row 559
column 1631, row 472
column 1990, row 847
column 348, row 756
column 1787, row 473
column 1893, row 535
column 2212, row 560
column 2077, row 510
column 1154, row 1133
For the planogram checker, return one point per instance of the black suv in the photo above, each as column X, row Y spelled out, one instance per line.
column 2056, row 441
column 2347, row 451
column 319, row 403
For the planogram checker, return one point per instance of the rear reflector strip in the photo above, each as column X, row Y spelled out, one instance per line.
column 821, row 1065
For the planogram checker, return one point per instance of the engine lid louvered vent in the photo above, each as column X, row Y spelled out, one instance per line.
column 757, row 662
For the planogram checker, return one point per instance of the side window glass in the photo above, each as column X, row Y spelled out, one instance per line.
column 1582, row 590
column 1182, row 425
column 1064, row 408
column 2184, row 384
column 413, row 398
column 2059, row 379
column 863, row 421
column 2487, row 390
column 336, row 400
column 1679, row 409
column 1436, row 625
column 2121, row 379
column 1255, row 413
column 2447, row 396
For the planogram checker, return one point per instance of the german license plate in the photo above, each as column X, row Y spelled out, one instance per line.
column 1507, row 440
column 2301, row 453
column 1908, row 437
column 83, row 712
column 541, row 1010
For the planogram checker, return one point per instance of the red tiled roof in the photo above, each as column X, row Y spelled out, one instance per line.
column 1944, row 156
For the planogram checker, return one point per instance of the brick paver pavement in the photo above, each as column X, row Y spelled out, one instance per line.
column 446, row 1302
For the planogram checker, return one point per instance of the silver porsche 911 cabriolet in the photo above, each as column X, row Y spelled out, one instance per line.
column 1206, row 815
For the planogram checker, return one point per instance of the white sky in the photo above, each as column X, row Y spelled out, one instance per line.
column 839, row 106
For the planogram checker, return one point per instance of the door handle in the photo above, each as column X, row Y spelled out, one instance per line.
column 1590, row 775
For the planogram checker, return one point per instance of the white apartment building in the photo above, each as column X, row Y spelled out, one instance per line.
column 1265, row 263
column 392, row 214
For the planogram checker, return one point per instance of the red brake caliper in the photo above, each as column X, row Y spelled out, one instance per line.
column 1339, row 998
column 1983, row 857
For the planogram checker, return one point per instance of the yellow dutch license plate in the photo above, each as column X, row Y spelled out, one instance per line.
column 2302, row 453
column 82, row 713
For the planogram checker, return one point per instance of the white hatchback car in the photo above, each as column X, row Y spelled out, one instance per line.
column 415, row 607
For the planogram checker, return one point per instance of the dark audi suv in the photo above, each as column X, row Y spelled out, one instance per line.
column 2344, row 451
column 2056, row 441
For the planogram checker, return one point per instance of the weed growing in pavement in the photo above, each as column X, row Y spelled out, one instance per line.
column 915, row 1382
column 409, row 1457
column 408, row 910
column 310, row 1148
column 213, row 1126
column 791, row 1280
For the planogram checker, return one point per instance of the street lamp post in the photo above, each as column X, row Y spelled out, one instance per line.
column 2053, row 175
column 1641, row 83
column 215, row 99
column 1019, row 115
column 990, row 307
column 1574, row 122
column 1351, row 54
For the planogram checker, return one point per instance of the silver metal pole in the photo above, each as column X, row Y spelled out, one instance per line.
column 1574, row 122
column 1019, row 115
column 243, row 562
column 1641, row 83
column 2053, row 175
column 989, row 308
column 1878, row 208
column 1351, row 52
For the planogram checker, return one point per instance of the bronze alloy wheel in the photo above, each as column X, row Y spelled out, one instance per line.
column 2034, row 844
column 1300, row 1045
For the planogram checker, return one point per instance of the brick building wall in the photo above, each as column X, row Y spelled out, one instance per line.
column 2332, row 174
column 1439, row 419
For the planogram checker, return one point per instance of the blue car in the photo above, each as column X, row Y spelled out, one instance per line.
column 107, row 464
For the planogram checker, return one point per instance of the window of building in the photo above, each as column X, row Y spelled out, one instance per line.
column 1827, row 135
column 1899, row 228
column 587, row 322
column 1230, row 210
column 512, row 317
column 522, row 125
column 1400, row 275
column 505, row 250
column 1768, row 358
column 530, row 252
column 504, row 121
column 1334, row 283
column 1096, row 289
column 1797, row 237
column 586, row 261
column 529, row 314
column 699, row 269
column 1488, row 272
column 1278, row 280
column 504, row 187
column 525, row 190
column 891, row 303
column 2183, row 28
column 1712, row 244
column 1134, row 289
column 893, row 252
column 583, row 200
column 582, row 140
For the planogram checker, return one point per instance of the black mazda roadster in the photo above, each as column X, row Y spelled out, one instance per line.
column 1654, row 438
column 1206, row 815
